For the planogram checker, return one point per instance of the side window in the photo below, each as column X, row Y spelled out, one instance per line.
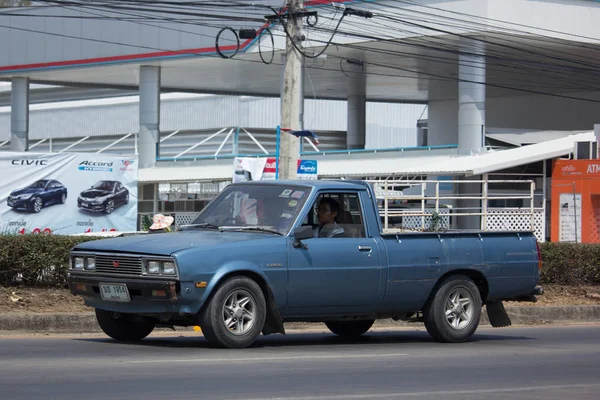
column 348, row 217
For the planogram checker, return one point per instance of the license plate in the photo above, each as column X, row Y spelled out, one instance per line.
column 114, row 292
column 10, row 203
column 84, row 204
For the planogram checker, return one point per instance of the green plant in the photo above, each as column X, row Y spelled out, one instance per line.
column 570, row 263
column 36, row 260
column 146, row 223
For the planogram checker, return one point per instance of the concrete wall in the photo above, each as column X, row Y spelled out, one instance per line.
column 543, row 112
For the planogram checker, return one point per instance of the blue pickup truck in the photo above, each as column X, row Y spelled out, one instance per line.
column 267, row 252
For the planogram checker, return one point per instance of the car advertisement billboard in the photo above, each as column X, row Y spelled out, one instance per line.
column 67, row 193
column 255, row 169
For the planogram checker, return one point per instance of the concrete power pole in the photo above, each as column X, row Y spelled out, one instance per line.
column 291, row 96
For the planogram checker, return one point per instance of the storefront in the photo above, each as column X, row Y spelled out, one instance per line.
column 576, row 201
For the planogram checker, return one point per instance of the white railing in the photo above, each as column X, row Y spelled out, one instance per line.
column 436, row 209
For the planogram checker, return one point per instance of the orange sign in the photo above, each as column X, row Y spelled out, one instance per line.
column 576, row 168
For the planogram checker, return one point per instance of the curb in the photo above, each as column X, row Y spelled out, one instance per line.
column 86, row 322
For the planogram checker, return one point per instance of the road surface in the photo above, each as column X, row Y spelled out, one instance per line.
column 549, row 362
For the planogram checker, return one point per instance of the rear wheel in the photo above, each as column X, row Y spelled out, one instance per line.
column 453, row 313
column 350, row 329
column 123, row 326
column 235, row 315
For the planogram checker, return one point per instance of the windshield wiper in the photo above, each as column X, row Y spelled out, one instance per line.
column 251, row 228
column 196, row 226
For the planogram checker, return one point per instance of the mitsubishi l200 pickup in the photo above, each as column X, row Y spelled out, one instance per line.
column 267, row 252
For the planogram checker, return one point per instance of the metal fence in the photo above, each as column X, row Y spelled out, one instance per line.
column 434, row 205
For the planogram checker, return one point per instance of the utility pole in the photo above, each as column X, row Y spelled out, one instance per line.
column 291, row 96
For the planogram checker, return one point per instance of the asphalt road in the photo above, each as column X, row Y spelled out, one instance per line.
column 517, row 363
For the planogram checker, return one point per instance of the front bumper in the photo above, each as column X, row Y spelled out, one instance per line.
column 89, row 286
column 19, row 203
column 86, row 205
column 148, row 296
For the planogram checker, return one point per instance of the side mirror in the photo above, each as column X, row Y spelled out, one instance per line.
column 302, row 233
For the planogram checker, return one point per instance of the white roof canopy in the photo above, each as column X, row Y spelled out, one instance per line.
column 412, row 165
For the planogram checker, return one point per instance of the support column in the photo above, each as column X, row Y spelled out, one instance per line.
column 149, row 134
column 471, row 97
column 471, row 121
column 357, row 112
column 19, row 114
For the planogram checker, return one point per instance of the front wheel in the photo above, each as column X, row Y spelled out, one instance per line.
column 123, row 326
column 235, row 315
column 350, row 329
column 37, row 205
column 453, row 313
column 109, row 207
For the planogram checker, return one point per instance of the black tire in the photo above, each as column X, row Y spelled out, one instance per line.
column 63, row 198
column 461, row 298
column 350, row 329
column 122, row 327
column 127, row 198
column 224, row 309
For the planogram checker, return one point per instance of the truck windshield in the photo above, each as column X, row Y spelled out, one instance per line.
column 274, row 207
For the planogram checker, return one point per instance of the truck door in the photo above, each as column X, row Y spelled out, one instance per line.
column 340, row 270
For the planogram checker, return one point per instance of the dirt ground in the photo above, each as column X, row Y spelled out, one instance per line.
column 29, row 300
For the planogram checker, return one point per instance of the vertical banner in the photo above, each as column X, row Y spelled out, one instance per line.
column 67, row 193
column 256, row 169
column 570, row 218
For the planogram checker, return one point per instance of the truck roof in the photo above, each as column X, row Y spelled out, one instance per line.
column 317, row 184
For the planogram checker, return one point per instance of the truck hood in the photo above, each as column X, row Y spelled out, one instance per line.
column 168, row 243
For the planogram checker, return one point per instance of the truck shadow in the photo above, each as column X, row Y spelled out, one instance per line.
column 188, row 339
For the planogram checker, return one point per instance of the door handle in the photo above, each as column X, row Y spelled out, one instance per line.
column 364, row 248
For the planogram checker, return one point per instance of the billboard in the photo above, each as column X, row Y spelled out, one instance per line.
column 67, row 193
column 256, row 169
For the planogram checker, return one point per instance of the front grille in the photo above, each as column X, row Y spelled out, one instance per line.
column 126, row 265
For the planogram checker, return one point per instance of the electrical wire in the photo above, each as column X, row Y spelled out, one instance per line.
column 495, row 59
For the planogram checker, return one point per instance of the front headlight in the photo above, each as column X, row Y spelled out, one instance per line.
column 160, row 267
column 25, row 196
column 169, row 268
column 154, row 267
column 78, row 263
column 90, row 263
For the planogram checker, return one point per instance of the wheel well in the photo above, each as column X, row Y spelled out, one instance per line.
column 273, row 322
column 476, row 276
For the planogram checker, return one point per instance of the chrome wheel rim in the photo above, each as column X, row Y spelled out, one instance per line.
column 37, row 204
column 110, row 206
column 239, row 312
column 459, row 308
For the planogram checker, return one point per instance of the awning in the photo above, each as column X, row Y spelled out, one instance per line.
column 414, row 165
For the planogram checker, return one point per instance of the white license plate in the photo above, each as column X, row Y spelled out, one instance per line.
column 84, row 204
column 10, row 203
column 114, row 292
